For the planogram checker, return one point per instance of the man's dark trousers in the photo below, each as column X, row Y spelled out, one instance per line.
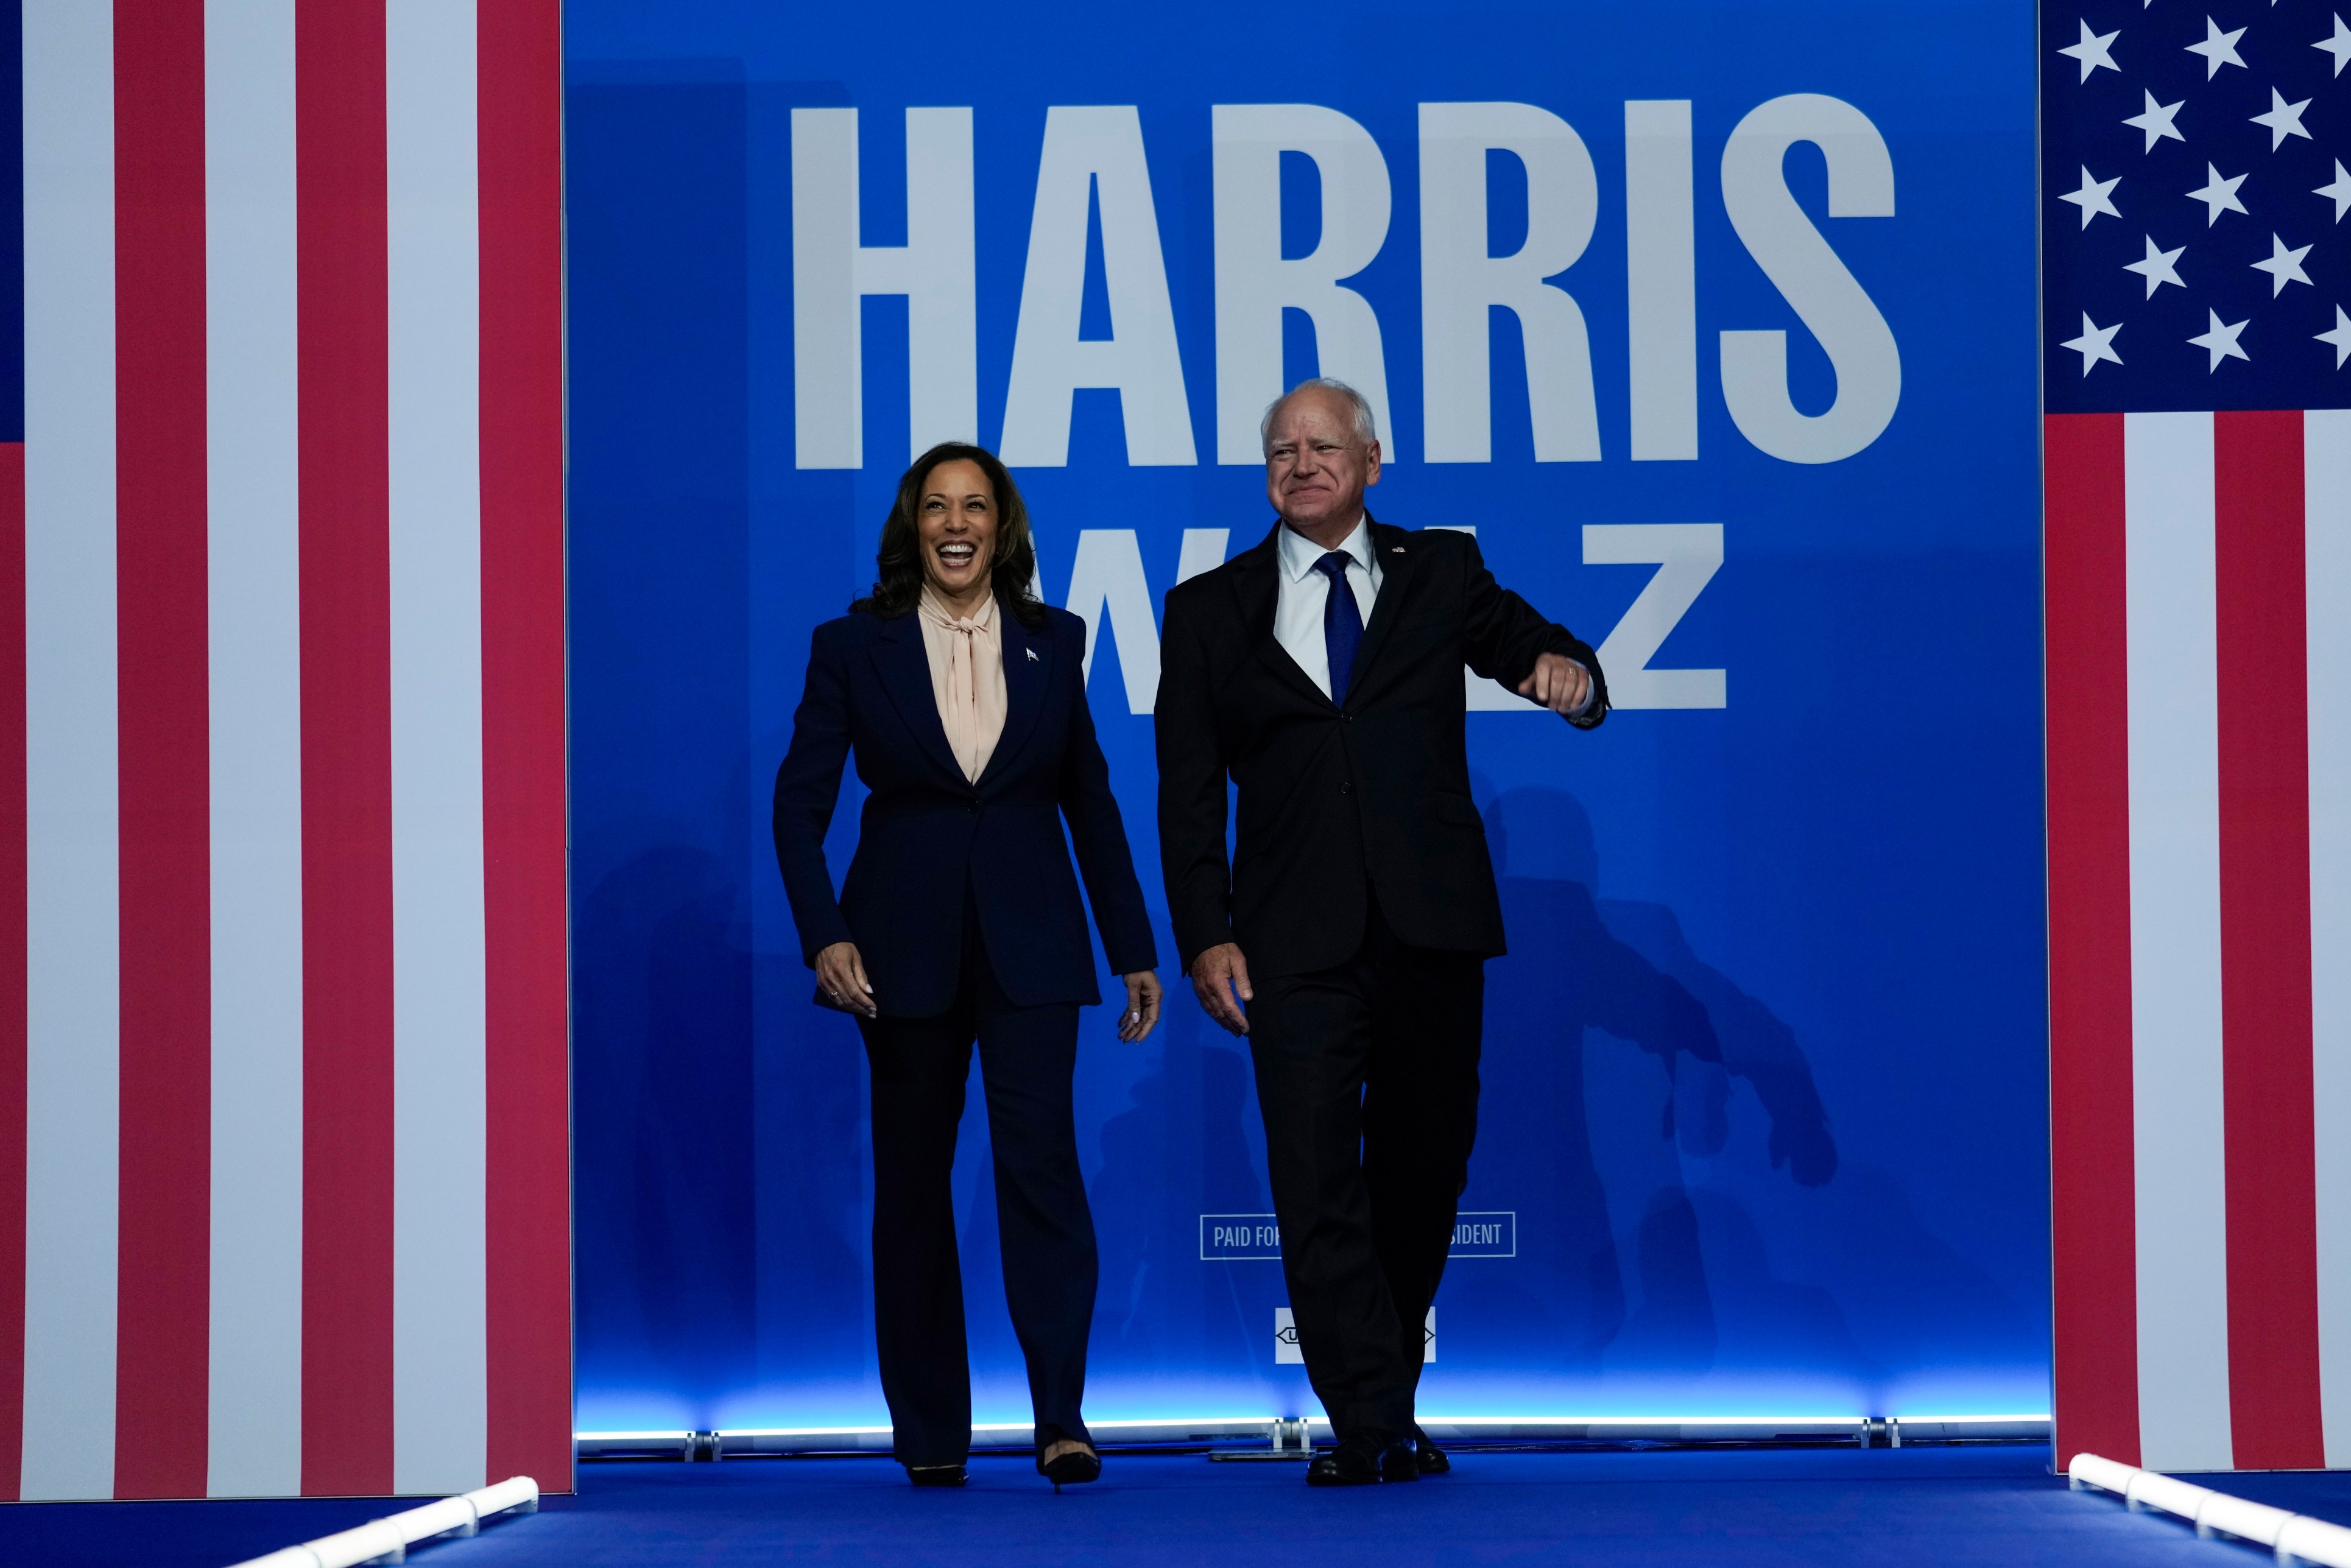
column 1367, row 1073
column 1356, row 829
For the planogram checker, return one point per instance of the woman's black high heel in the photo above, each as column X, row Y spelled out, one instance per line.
column 1074, row 1468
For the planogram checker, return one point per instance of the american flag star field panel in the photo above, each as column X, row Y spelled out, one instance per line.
column 2194, row 192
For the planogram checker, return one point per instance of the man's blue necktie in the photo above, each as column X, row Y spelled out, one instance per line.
column 1343, row 622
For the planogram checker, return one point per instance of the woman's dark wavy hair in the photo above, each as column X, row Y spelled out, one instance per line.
column 898, row 586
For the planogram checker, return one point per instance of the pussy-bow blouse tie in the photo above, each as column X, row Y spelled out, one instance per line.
column 967, row 661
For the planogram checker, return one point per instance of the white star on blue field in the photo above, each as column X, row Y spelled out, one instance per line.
column 2195, row 253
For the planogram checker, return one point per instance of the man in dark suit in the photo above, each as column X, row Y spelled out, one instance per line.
column 1347, row 938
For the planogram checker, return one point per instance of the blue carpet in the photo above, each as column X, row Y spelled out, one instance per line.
column 1923, row 1507
column 173, row 1534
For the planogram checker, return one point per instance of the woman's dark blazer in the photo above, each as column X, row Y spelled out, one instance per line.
column 927, row 831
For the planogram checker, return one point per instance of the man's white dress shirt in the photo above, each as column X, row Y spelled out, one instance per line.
column 1304, row 593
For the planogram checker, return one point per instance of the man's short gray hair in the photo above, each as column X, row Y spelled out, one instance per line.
column 1367, row 429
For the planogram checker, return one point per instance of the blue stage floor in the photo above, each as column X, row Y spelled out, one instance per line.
column 1918, row 1507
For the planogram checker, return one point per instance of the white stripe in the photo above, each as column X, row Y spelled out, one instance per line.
column 2326, row 534
column 253, row 540
column 2175, row 911
column 439, row 1414
column 72, row 948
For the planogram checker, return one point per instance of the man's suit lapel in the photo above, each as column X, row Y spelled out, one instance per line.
column 1399, row 561
column 1256, row 587
column 905, row 672
column 1027, row 671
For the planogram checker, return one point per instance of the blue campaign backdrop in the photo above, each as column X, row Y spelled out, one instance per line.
column 1817, row 818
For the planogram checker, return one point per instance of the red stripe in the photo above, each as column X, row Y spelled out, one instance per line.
column 347, row 1052
column 2092, row 1207
column 162, row 1338
column 2274, row 1407
column 529, row 1222
column 12, row 967
column 523, row 739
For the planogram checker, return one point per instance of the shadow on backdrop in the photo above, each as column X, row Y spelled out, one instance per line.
column 1612, row 1052
column 1619, row 1068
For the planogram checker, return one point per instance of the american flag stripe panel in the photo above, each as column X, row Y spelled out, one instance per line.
column 283, row 1202
column 2196, row 271
column 2199, row 829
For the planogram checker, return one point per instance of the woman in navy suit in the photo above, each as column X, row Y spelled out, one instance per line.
column 964, row 701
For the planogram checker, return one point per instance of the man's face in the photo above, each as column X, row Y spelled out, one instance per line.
column 1316, row 469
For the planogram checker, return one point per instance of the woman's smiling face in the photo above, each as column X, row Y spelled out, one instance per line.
column 956, row 523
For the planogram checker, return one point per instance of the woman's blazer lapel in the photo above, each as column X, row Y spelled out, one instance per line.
column 905, row 670
column 1028, row 672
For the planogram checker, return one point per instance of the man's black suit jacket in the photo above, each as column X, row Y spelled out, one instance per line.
column 1370, row 793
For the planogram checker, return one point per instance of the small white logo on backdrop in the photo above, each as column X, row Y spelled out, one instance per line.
column 1285, row 1339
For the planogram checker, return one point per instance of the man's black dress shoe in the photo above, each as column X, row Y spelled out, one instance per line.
column 1427, row 1456
column 1363, row 1460
column 935, row 1475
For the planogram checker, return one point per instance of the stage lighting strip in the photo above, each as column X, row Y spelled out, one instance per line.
column 2295, row 1537
column 1118, row 1431
column 388, row 1540
column 672, row 1435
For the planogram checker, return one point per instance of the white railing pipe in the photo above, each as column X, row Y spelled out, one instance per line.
column 2296, row 1537
column 387, row 1539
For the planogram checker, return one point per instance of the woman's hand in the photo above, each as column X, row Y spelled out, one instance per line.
column 841, row 974
column 1142, row 1006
